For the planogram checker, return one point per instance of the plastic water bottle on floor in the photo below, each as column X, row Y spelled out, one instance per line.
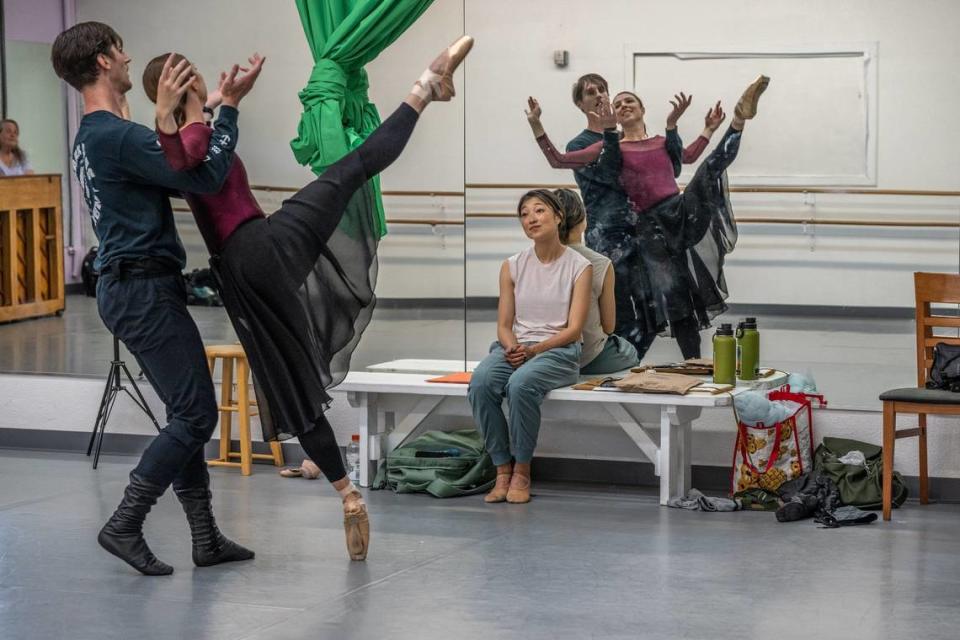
column 353, row 458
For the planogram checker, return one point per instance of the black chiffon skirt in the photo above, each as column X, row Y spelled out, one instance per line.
column 668, row 259
column 300, row 294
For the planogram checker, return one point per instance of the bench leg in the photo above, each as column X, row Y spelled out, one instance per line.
column 669, row 447
column 369, row 428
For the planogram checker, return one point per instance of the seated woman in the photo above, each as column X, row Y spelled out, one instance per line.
column 544, row 296
column 603, row 351
column 13, row 159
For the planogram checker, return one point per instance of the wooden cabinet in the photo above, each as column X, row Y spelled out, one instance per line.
column 31, row 247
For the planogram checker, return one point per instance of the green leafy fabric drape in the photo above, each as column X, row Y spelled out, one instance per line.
column 344, row 35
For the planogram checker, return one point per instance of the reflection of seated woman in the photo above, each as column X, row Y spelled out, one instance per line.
column 544, row 295
column 603, row 351
column 13, row 159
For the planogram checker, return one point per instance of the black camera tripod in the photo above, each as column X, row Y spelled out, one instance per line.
column 111, row 391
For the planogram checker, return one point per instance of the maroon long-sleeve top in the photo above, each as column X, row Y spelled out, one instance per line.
column 647, row 174
column 218, row 215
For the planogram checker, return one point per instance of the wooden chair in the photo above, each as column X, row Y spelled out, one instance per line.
column 235, row 360
column 929, row 288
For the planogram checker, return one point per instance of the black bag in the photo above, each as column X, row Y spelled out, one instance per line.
column 945, row 370
column 88, row 274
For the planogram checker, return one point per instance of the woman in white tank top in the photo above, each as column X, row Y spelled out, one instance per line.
column 544, row 297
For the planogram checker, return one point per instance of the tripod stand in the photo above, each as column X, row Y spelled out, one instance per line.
column 110, row 392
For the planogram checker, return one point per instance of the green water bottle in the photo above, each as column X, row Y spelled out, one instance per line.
column 748, row 350
column 724, row 355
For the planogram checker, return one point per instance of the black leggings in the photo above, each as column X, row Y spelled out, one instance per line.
column 321, row 446
column 306, row 222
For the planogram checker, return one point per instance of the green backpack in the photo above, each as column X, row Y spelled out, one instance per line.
column 442, row 476
column 859, row 486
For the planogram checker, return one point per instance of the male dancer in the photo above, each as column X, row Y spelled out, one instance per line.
column 609, row 223
column 140, row 294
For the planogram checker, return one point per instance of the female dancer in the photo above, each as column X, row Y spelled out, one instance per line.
column 544, row 296
column 681, row 239
column 298, row 286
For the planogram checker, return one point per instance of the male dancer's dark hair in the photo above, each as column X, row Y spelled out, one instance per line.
column 74, row 53
column 583, row 81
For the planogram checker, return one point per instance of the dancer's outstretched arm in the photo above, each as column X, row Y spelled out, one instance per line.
column 675, row 149
column 557, row 159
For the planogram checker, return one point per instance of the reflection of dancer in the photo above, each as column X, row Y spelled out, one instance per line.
column 603, row 351
column 681, row 239
column 544, row 297
column 140, row 295
column 297, row 288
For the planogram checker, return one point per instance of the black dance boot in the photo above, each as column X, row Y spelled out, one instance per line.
column 123, row 534
column 210, row 547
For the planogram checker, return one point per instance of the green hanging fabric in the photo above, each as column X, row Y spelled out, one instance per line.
column 345, row 35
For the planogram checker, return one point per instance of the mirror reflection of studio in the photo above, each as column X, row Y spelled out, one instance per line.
column 384, row 318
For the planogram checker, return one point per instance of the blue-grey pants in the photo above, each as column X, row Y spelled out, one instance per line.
column 524, row 388
column 617, row 355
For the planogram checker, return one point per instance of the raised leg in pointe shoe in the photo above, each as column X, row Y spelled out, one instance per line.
column 499, row 491
column 746, row 108
column 436, row 83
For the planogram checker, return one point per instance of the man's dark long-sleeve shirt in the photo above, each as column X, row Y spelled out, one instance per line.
column 126, row 182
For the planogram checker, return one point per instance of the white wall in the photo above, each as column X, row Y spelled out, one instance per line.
column 916, row 136
column 915, row 140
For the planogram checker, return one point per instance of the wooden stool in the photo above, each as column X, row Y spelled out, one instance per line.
column 233, row 355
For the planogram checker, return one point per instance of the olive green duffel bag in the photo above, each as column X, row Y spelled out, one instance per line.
column 859, row 485
column 444, row 464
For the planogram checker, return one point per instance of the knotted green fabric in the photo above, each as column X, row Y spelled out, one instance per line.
column 344, row 35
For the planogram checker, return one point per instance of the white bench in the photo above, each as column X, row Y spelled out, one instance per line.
column 395, row 401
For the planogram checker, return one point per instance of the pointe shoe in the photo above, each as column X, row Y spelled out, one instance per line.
column 499, row 491
column 307, row 469
column 519, row 492
column 436, row 83
column 356, row 526
column 747, row 106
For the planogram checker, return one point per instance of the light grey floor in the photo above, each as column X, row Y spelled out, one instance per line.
column 571, row 564
column 852, row 359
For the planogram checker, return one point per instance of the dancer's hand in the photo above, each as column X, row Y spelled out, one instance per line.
column 715, row 118
column 680, row 104
column 529, row 353
column 603, row 117
column 533, row 117
column 174, row 82
column 515, row 355
column 233, row 87
column 534, row 112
